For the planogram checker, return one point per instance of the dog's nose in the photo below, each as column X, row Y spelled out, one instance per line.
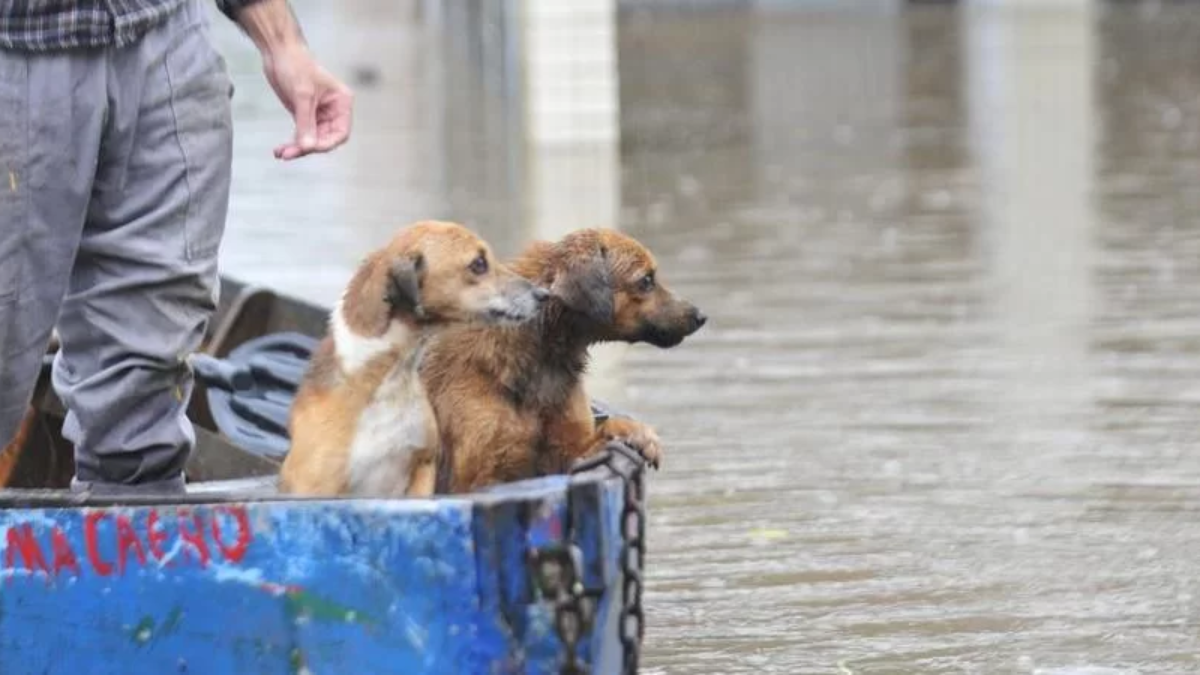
column 699, row 318
column 540, row 294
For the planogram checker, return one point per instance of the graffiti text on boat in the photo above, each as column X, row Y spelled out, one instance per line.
column 114, row 542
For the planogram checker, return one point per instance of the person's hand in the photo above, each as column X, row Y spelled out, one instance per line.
column 321, row 106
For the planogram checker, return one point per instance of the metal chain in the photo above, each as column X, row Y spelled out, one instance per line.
column 633, row 549
column 559, row 569
column 558, row 575
column 633, row 521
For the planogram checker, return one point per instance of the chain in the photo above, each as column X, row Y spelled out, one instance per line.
column 558, row 569
column 633, row 550
column 633, row 521
column 557, row 573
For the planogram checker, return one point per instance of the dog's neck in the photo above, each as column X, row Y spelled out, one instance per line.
column 563, row 335
column 535, row 364
column 545, row 358
column 364, row 326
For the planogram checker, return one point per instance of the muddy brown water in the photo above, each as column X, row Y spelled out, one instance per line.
column 945, row 417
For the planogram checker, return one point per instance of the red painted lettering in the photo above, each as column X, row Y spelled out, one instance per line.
column 228, row 535
column 64, row 555
column 195, row 536
column 93, row 544
column 237, row 551
column 155, row 536
column 127, row 539
column 21, row 540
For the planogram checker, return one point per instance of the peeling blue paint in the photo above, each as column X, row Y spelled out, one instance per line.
column 364, row 586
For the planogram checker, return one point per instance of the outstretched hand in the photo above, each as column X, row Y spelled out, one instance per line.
column 320, row 104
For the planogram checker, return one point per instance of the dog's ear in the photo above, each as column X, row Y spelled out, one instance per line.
column 404, row 285
column 585, row 286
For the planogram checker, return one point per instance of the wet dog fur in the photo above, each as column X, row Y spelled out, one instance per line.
column 361, row 423
column 510, row 401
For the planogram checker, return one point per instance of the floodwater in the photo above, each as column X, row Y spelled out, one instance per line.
column 945, row 416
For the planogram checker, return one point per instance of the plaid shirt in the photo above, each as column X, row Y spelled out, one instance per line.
column 44, row 25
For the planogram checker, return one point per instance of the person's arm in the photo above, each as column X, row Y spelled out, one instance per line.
column 321, row 105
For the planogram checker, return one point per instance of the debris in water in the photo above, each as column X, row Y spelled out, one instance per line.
column 764, row 534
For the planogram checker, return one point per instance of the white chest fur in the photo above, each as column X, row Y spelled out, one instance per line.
column 355, row 351
column 391, row 429
column 395, row 424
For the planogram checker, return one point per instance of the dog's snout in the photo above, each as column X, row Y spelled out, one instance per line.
column 698, row 318
column 541, row 294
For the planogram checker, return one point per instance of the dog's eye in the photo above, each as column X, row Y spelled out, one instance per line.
column 479, row 265
column 646, row 283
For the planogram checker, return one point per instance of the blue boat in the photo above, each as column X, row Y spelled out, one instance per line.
column 536, row 576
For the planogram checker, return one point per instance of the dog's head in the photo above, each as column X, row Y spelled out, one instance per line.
column 441, row 272
column 611, row 281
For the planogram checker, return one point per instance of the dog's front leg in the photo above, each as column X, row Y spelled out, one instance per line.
column 637, row 435
column 422, row 479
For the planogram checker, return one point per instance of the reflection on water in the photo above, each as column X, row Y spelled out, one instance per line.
column 945, row 415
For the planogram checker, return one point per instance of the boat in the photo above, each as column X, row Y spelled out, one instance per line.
column 535, row 576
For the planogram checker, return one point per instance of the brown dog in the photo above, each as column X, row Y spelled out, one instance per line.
column 510, row 402
column 361, row 423
column 11, row 453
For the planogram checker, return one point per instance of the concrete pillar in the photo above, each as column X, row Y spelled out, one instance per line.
column 572, row 164
column 570, row 69
column 1032, row 122
column 571, row 113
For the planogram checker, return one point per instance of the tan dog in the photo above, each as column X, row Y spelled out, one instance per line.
column 361, row 423
column 510, row 402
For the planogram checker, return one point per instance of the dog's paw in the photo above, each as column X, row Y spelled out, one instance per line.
column 637, row 435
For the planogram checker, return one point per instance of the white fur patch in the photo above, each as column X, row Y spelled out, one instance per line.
column 355, row 351
column 390, row 430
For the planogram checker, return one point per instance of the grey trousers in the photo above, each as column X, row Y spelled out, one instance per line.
column 114, row 186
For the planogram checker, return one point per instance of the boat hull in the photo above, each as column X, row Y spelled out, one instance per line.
column 235, row 578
